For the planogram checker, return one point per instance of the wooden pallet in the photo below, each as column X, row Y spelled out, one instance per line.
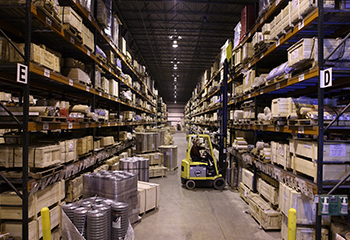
column 48, row 10
column 33, row 173
column 101, row 58
column 48, row 119
column 73, row 32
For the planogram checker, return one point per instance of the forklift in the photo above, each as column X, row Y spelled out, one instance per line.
column 203, row 172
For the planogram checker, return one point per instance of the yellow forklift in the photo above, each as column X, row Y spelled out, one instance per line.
column 201, row 171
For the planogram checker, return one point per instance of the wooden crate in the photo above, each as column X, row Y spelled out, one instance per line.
column 68, row 150
column 268, row 191
column 87, row 38
column 74, row 189
column 283, row 156
column 247, row 52
column 247, row 178
column 34, row 226
column 38, row 157
column 35, row 53
column 106, row 141
column 333, row 151
column 157, row 171
column 331, row 172
column 302, row 232
column 48, row 59
column 49, row 196
column 148, row 196
column 305, row 206
column 238, row 56
column 68, row 15
column 243, row 191
column 82, row 146
column 268, row 218
column 89, row 143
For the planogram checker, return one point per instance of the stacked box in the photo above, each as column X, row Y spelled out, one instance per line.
column 148, row 196
column 69, row 16
column 68, row 150
column 247, row 52
column 282, row 107
column 102, row 13
column 88, row 38
column 283, row 156
column 268, row 191
column 248, row 79
column 247, row 178
column 82, row 146
column 76, row 74
column 105, row 84
column 74, row 189
column 113, row 88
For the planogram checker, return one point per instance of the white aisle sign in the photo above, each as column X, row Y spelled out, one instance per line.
column 326, row 78
column 22, row 73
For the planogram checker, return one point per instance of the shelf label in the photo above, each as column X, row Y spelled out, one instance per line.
column 86, row 125
column 110, row 70
column 301, row 24
column 301, row 77
column 326, row 78
column 70, row 82
column 261, row 92
column 46, row 126
column 300, row 129
column 101, row 32
column 249, row 65
column 70, row 125
column 22, row 73
column 278, row 42
column 278, row 86
column 278, row 2
column 277, row 128
column 249, row 34
column 261, row 56
column 261, row 128
column 101, row 63
column 249, row 96
column 75, row 1
column 87, row 88
column 109, row 97
column 48, row 21
column 115, row 124
column 261, row 20
column 109, row 124
column 248, row 126
column 89, row 17
column 47, row 73
column 100, row 93
column 116, row 99
column 72, row 40
column 99, row 125
column 88, row 52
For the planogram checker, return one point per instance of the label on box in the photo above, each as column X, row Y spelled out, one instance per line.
column 337, row 150
column 48, row 21
column 301, row 77
column 47, row 73
column 308, row 146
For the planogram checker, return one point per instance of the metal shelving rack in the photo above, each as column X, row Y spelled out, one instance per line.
column 31, row 185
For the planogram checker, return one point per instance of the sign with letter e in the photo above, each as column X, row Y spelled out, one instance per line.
column 22, row 73
column 326, row 78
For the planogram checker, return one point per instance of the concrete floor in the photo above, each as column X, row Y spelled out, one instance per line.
column 203, row 213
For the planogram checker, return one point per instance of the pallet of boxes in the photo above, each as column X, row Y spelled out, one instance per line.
column 261, row 206
column 147, row 147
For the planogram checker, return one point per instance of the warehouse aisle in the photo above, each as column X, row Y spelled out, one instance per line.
column 198, row 214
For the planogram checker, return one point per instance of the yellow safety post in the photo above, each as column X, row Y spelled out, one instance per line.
column 292, row 224
column 45, row 223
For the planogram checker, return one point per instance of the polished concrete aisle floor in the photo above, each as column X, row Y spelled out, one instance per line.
column 198, row 214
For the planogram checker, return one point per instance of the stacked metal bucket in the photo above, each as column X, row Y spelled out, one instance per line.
column 146, row 142
column 99, row 218
column 120, row 186
column 136, row 165
column 170, row 156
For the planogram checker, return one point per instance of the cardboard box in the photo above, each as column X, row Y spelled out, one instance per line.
column 149, row 196
column 88, row 38
column 76, row 74
column 247, row 178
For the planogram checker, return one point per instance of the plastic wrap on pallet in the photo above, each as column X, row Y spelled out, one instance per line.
column 279, row 71
column 99, row 51
column 237, row 35
column 108, row 29
column 263, row 6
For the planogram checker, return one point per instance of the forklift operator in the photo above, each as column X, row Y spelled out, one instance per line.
column 195, row 154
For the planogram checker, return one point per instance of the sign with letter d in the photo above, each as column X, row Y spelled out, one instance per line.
column 326, row 78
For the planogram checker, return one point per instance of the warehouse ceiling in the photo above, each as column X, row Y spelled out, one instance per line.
column 200, row 27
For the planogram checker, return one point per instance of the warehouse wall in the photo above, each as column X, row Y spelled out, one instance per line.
column 175, row 113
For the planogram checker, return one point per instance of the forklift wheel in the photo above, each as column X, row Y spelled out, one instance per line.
column 190, row 184
column 219, row 183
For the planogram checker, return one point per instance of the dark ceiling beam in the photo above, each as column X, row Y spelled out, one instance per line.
column 167, row 46
column 140, row 35
column 236, row 2
column 187, row 13
column 181, row 22
column 156, row 30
